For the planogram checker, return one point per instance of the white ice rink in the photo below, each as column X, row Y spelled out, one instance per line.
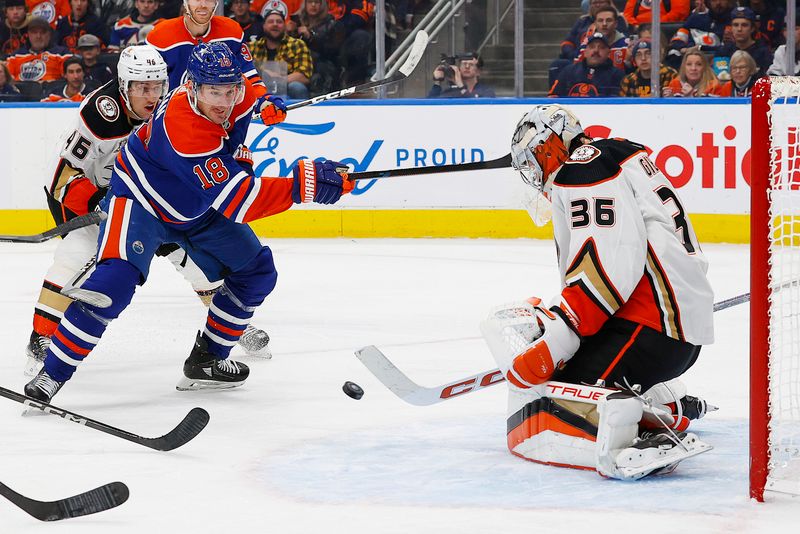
column 290, row 453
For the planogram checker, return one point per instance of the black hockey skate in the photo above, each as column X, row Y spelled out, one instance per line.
column 43, row 388
column 203, row 370
column 36, row 352
column 695, row 407
column 658, row 453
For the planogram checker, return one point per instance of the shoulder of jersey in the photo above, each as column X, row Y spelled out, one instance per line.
column 163, row 35
column 225, row 28
column 103, row 115
column 599, row 161
column 188, row 133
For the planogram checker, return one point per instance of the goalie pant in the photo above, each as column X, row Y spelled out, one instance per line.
column 80, row 181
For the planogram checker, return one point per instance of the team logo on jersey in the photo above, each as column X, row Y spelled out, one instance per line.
column 583, row 154
column 45, row 10
column 108, row 108
column 33, row 71
column 137, row 247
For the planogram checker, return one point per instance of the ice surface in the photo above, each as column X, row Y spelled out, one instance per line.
column 289, row 452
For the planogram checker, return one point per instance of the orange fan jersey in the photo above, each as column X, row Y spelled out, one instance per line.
column 49, row 10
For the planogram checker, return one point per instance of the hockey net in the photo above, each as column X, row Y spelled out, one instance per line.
column 775, row 288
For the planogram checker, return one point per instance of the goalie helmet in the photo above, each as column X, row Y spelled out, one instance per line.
column 541, row 141
column 141, row 63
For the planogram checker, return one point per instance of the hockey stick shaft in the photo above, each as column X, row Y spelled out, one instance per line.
column 411, row 392
column 88, row 219
column 187, row 429
column 97, row 500
column 498, row 163
column 417, row 50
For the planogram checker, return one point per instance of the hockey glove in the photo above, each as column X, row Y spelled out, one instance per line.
column 272, row 110
column 244, row 157
column 323, row 182
column 537, row 363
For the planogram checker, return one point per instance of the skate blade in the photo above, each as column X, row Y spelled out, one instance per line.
column 193, row 384
column 32, row 367
column 635, row 473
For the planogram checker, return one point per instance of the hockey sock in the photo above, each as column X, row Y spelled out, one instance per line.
column 83, row 324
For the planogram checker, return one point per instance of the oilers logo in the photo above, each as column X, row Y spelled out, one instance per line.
column 45, row 10
column 224, row 61
column 33, row 71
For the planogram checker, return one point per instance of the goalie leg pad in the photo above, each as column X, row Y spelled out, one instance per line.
column 620, row 414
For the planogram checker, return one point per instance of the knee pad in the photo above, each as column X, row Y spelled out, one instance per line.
column 255, row 281
column 109, row 289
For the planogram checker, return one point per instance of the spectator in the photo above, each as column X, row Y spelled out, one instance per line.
column 313, row 24
column 639, row 11
column 129, row 30
column 8, row 90
column 778, row 67
column 695, row 77
column 583, row 28
column 743, row 30
column 262, row 7
column 707, row 28
column 637, row 83
column 461, row 82
column 80, row 21
column 49, row 10
column 252, row 23
column 74, row 88
column 351, row 34
column 39, row 61
column 94, row 70
column 14, row 28
column 769, row 20
column 277, row 46
column 594, row 75
column 743, row 75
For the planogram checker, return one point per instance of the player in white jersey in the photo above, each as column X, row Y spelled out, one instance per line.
column 634, row 308
column 105, row 119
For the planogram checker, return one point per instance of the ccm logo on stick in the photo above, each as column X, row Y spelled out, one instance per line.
column 468, row 385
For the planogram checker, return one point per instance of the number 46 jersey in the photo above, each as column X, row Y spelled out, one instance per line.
column 626, row 246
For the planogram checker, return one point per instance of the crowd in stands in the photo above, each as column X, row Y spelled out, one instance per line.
column 304, row 48
column 708, row 48
column 301, row 47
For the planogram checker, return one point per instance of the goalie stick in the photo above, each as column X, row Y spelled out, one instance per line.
column 105, row 497
column 88, row 219
column 398, row 383
column 191, row 425
column 405, row 70
column 498, row 163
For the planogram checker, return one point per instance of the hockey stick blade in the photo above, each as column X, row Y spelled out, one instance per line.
column 88, row 219
column 498, row 163
column 105, row 497
column 398, row 383
column 191, row 425
column 416, row 53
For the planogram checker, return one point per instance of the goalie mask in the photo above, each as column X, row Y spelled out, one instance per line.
column 539, row 146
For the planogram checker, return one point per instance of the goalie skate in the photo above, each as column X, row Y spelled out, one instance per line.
column 202, row 370
column 658, row 454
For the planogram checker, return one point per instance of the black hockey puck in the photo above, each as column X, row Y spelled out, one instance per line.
column 353, row 390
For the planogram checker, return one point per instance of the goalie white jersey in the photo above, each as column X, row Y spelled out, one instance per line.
column 626, row 246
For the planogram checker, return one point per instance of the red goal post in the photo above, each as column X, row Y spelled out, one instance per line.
column 775, row 293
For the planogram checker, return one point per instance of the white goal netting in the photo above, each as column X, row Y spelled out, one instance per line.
column 784, row 279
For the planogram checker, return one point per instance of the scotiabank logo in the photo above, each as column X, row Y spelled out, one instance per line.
column 679, row 162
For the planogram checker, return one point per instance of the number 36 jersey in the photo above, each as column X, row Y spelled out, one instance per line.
column 626, row 246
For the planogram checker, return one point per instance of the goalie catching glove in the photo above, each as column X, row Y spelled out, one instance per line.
column 556, row 343
column 272, row 109
column 323, row 182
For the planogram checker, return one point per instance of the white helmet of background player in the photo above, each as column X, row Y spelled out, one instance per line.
column 542, row 143
column 141, row 63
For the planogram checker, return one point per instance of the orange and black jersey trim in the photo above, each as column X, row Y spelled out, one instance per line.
column 104, row 113
column 596, row 162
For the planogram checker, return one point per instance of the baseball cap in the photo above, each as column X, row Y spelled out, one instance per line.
column 642, row 44
column 38, row 22
column 597, row 36
column 88, row 40
column 743, row 13
column 274, row 12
